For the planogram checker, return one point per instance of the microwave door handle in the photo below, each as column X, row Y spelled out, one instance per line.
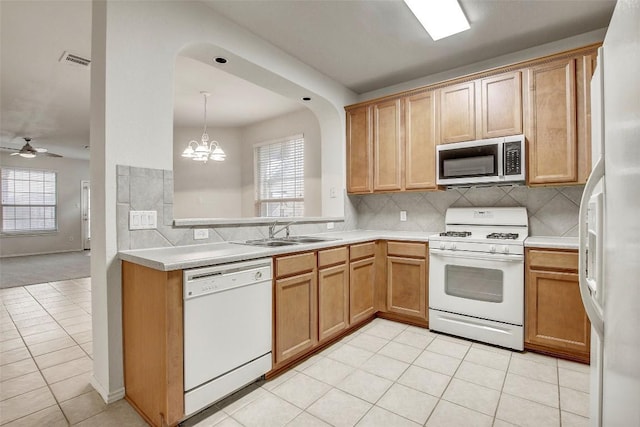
column 593, row 311
column 501, row 160
column 498, row 257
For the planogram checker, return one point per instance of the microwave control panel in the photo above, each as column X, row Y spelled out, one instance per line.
column 512, row 158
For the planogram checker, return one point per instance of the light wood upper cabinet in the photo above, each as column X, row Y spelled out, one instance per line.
column 391, row 141
column 458, row 113
column 555, row 319
column 500, row 110
column 420, row 141
column 359, row 155
column 333, row 292
column 551, row 123
column 387, row 145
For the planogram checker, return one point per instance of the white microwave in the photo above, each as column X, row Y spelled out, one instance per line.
column 482, row 162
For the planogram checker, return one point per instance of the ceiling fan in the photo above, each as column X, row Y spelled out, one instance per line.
column 29, row 152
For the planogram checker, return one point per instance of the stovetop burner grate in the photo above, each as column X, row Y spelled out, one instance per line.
column 503, row 236
column 456, row 233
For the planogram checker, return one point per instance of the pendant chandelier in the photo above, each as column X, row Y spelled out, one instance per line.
column 203, row 150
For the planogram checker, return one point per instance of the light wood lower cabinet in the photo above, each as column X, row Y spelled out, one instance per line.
column 333, row 292
column 362, row 282
column 296, row 317
column 555, row 320
column 407, row 292
column 152, row 338
column 295, row 303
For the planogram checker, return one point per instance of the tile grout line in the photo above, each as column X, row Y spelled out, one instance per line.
column 39, row 370
column 504, row 381
column 32, row 357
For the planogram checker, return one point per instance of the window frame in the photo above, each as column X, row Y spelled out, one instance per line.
column 30, row 232
column 258, row 202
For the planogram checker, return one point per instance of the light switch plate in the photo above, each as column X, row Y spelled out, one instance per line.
column 403, row 215
column 143, row 220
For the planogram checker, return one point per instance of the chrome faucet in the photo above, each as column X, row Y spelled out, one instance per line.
column 273, row 231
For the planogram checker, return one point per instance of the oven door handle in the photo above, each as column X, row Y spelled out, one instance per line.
column 476, row 255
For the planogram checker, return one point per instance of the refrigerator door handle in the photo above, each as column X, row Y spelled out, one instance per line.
column 591, row 307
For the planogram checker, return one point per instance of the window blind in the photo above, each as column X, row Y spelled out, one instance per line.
column 279, row 177
column 29, row 200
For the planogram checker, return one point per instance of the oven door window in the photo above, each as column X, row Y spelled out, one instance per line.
column 479, row 284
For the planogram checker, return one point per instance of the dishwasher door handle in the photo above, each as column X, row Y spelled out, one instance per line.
column 192, row 292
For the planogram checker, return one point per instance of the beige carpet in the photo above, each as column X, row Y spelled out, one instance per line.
column 28, row 270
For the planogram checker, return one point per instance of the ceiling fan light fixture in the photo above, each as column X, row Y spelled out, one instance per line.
column 441, row 18
column 27, row 155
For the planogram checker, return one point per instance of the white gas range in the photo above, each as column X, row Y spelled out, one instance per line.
column 476, row 275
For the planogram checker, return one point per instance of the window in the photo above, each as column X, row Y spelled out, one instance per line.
column 279, row 177
column 28, row 200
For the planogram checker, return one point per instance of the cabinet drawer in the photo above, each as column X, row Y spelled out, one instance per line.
column 552, row 260
column 413, row 250
column 362, row 250
column 295, row 264
column 332, row 256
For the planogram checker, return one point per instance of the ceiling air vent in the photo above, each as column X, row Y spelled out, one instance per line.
column 71, row 59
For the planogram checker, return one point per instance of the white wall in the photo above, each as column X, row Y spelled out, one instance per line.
column 134, row 48
column 298, row 122
column 69, row 235
column 210, row 190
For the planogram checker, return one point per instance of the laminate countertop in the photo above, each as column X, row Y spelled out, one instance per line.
column 551, row 242
column 192, row 256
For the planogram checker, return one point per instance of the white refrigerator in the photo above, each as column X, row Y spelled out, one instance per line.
column 610, row 225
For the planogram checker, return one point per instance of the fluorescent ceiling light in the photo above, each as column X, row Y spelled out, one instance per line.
column 441, row 18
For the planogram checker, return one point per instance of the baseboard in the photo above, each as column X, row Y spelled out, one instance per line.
column 106, row 396
column 43, row 253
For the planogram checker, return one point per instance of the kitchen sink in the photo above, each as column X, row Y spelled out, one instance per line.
column 287, row 241
column 307, row 239
column 269, row 242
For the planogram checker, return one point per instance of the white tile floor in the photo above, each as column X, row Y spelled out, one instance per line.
column 385, row 374
column 390, row 374
column 45, row 359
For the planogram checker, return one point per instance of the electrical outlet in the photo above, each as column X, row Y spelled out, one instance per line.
column 330, row 225
column 200, row 233
column 332, row 192
column 403, row 215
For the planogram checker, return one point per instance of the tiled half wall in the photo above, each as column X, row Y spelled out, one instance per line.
column 152, row 189
column 553, row 211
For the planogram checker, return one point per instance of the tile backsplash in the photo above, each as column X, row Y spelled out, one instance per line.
column 553, row 211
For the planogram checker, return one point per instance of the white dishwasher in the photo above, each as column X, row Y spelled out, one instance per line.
column 227, row 329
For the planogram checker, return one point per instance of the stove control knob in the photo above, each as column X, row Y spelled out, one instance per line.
column 505, row 249
column 492, row 248
column 442, row 246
